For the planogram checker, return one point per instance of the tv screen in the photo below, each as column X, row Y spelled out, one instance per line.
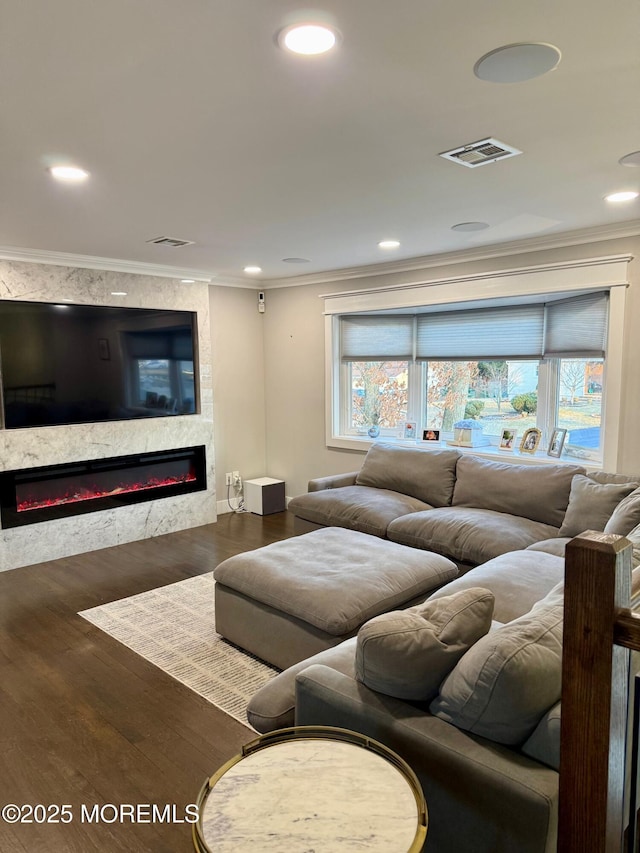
column 69, row 364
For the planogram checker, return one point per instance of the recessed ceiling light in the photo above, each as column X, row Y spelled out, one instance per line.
column 632, row 159
column 308, row 39
column 251, row 269
column 70, row 174
column 296, row 261
column 187, row 281
column 118, row 292
column 515, row 63
column 470, row 226
column 628, row 195
column 388, row 244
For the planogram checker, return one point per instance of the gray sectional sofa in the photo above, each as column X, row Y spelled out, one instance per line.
column 466, row 685
column 484, row 795
column 465, row 507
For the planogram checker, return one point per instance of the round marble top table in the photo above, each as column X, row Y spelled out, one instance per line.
column 312, row 790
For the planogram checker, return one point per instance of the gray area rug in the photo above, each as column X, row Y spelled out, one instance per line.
column 174, row 628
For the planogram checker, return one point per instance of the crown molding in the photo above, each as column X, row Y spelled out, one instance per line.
column 607, row 271
column 64, row 259
column 517, row 247
column 583, row 236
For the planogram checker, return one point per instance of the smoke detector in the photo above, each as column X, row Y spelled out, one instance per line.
column 481, row 152
column 174, row 242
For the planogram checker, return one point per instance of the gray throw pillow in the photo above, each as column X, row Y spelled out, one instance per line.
column 505, row 683
column 626, row 515
column 408, row 653
column 544, row 743
column 591, row 504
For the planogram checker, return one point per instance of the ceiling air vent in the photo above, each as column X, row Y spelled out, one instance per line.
column 479, row 153
column 171, row 241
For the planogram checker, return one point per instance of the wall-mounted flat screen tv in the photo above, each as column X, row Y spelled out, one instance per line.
column 70, row 364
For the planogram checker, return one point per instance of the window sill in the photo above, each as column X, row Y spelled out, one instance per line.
column 362, row 444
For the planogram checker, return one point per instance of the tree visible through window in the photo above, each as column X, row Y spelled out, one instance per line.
column 498, row 394
column 378, row 394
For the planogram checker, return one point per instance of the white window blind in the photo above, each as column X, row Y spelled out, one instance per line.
column 577, row 327
column 513, row 331
column 377, row 338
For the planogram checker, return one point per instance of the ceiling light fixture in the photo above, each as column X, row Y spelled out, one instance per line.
column 69, row 174
column 187, row 281
column 253, row 270
column 470, row 226
column 296, row 261
column 627, row 195
column 388, row 244
column 308, row 39
column 632, row 159
column 118, row 292
column 515, row 63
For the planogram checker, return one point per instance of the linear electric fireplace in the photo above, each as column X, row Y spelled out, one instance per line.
column 56, row 491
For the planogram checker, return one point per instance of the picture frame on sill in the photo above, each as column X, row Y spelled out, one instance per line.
column 556, row 444
column 530, row 440
column 410, row 429
column 431, row 435
column 508, row 439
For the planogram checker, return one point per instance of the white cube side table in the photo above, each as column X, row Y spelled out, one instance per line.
column 264, row 495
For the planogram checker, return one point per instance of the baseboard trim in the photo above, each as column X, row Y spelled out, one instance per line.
column 222, row 507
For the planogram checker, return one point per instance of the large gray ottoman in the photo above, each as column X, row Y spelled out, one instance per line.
column 294, row 598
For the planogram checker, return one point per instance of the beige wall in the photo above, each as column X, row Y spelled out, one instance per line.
column 238, row 385
column 295, row 364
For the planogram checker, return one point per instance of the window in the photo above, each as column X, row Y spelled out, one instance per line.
column 376, row 396
column 507, row 366
column 486, row 391
column 161, row 369
column 164, row 383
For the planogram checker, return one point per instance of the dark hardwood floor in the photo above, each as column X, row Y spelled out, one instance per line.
column 83, row 720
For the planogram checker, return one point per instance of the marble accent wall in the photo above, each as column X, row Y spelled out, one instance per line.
column 26, row 448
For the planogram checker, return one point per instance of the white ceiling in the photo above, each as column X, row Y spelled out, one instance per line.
column 195, row 125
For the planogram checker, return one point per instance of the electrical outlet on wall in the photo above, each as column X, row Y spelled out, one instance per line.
column 228, row 479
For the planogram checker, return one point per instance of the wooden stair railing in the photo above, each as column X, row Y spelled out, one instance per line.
column 599, row 631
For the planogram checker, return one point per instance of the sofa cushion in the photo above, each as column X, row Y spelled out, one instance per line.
column 511, row 677
column 544, row 743
column 555, row 546
column 538, row 492
column 428, row 475
column 625, row 516
column 466, row 534
column 360, row 508
column 408, row 653
column 591, row 504
column 273, row 706
column 517, row 580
